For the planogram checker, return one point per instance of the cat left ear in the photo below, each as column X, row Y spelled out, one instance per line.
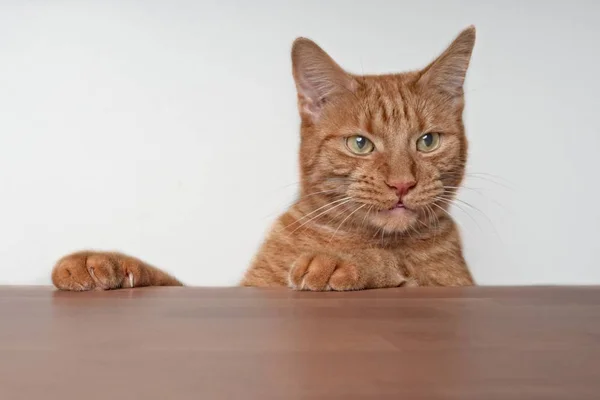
column 447, row 72
column 318, row 78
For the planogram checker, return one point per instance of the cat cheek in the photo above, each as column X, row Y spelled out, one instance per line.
column 345, row 171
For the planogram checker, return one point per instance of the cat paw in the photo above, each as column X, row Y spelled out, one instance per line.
column 90, row 271
column 322, row 272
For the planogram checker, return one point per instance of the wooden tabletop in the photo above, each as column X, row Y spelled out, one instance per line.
column 245, row 343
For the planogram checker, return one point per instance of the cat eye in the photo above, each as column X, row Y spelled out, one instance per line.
column 359, row 145
column 428, row 142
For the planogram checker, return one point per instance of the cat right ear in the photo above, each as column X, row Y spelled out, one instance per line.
column 447, row 72
column 318, row 77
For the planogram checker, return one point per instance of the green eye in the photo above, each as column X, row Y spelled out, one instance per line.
column 428, row 142
column 359, row 145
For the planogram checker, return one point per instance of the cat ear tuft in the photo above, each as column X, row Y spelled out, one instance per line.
column 318, row 77
column 448, row 71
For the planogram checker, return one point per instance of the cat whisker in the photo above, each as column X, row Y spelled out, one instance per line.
column 288, row 185
column 451, row 203
column 447, row 213
column 483, row 214
column 296, row 183
column 408, row 233
column 468, row 205
column 324, row 212
column 299, row 199
column 455, row 189
column 335, row 217
column 481, row 177
column 315, row 193
column 376, row 233
column 433, row 219
column 422, row 223
column 314, row 211
column 344, row 220
column 498, row 177
column 489, row 220
column 367, row 213
column 414, row 230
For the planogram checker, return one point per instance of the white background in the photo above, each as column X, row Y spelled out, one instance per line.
column 168, row 129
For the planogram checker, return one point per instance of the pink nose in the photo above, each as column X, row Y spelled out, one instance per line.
column 402, row 187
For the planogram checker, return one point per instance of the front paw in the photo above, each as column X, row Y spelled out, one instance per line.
column 320, row 272
column 89, row 271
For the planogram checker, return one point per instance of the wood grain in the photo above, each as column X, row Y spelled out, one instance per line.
column 245, row 343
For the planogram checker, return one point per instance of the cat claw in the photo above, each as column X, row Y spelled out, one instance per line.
column 130, row 279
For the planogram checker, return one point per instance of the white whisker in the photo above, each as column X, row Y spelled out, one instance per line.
column 317, row 216
column 344, row 220
column 451, row 203
column 447, row 213
column 314, row 211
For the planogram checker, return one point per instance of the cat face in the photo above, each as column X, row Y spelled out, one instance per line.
column 387, row 151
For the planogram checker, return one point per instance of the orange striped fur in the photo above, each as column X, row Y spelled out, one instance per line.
column 361, row 221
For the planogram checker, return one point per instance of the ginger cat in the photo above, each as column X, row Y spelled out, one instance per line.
column 381, row 160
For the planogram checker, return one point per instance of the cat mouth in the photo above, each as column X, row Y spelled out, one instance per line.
column 398, row 208
column 399, row 205
column 398, row 217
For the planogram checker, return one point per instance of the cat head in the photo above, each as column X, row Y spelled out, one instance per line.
column 385, row 151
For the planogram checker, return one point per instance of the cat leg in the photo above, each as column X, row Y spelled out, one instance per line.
column 87, row 270
column 322, row 272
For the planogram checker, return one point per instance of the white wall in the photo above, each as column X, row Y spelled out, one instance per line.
column 169, row 130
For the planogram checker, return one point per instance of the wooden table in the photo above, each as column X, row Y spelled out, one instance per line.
column 244, row 343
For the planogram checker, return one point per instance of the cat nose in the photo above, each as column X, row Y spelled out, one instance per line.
column 402, row 187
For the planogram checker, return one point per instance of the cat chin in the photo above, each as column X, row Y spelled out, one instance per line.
column 396, row 219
